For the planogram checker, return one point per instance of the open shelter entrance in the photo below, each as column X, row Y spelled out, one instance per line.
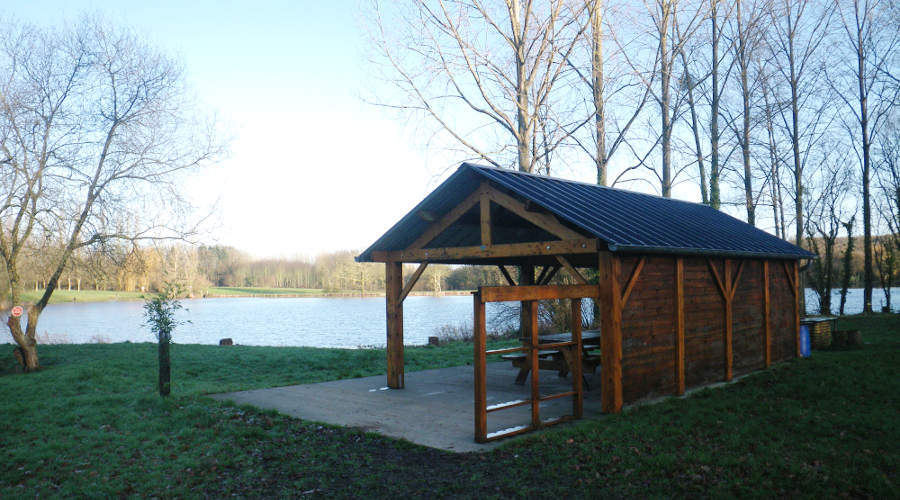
column 687, row 294
column 570, row 349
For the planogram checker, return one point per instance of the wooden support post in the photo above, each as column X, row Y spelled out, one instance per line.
column 728, row 322
column 577, row 373
column 767, row 310
column 480, row 371
column 485, row 219
column 797, row 292
column 611, row 334
column 393, row 278
column 679, row 329
column 529, row 309
column 727, row 293
column 535, row 383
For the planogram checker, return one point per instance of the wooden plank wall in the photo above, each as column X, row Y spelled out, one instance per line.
column 704, row 323
column 748, row 340
column 648, row 329
column 650, row 322
column 784, row 345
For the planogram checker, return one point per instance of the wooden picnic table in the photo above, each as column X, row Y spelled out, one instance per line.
column 559, row 358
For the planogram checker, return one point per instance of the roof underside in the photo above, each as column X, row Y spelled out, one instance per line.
column 624, row 221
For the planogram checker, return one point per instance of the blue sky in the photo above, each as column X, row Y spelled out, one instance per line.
column 313, row 168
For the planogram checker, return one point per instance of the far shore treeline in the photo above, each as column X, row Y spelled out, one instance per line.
column 147, row 269
column 137, row 269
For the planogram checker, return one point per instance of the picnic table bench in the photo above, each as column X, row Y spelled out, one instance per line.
column 559, row 360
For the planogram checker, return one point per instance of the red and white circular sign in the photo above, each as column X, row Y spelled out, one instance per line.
column 17, row 311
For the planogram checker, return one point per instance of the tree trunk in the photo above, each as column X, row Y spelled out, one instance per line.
column 664, row 104
column 27, row 344
column 597, row 83
column 798, row 167
column 848, row 259
column 715, row 197
column 868, row 275
column 744, row 64
column 523, row 122
column 165, row 366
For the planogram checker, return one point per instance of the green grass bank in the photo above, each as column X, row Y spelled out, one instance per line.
column 91, row 426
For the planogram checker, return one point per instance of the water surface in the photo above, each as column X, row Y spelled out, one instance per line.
column 318, row 322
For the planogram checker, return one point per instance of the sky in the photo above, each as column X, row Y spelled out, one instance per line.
column 313, row 168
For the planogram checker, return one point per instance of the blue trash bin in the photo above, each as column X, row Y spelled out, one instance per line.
column 805, row 350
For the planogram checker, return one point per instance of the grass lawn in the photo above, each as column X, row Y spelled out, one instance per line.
column 91, row 426
column 81, row 296
column 30, row 296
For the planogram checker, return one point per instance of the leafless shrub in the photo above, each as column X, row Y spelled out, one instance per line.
column 48, row 338
column 99, row 338
column 464, row 332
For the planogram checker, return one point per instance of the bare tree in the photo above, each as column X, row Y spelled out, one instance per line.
column 798, row 29
column 671, row 26
column 98, row 131
column 868, row 91
column 888, row 169
column 747, row 37
column 616, row 97
column 476, row 74
column 825, row 211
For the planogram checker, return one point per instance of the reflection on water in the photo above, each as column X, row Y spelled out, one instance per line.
column 319, row 322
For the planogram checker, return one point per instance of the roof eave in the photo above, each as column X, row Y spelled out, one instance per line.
column 700, row 252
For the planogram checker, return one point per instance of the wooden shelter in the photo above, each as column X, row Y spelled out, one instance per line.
column 687, row 294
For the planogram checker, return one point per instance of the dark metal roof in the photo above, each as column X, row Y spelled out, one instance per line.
column 627, row 221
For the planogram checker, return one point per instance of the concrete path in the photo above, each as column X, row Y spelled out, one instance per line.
column 435, row 409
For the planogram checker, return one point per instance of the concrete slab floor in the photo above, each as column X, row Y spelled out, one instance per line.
column 436, row 408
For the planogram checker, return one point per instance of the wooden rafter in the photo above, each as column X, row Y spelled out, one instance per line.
column 545, row 221
column 412, row 281
column 635, row 273
column 447, row 220
column 571, row 269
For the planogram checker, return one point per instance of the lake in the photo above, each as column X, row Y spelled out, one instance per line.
column 320, row 322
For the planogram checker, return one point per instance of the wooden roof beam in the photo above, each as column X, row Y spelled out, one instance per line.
column 546, row 221
column 541, row 248
column 447, row 220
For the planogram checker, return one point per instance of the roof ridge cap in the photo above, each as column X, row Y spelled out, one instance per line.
column 476, row 166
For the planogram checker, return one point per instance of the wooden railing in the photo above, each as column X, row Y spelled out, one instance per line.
column 531, row 347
